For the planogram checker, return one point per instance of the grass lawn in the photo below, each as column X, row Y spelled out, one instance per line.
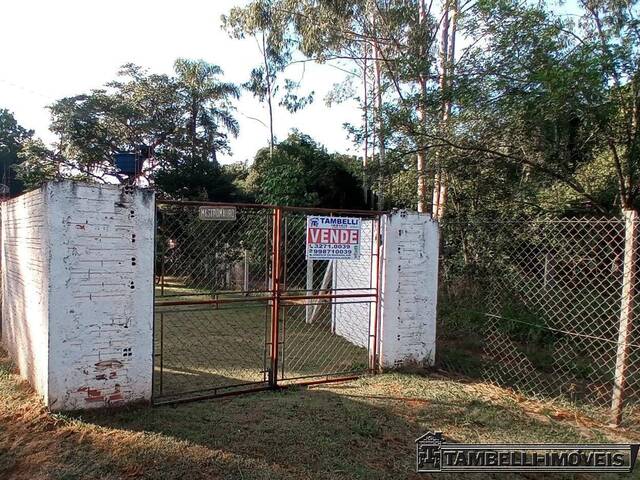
column 361, row 429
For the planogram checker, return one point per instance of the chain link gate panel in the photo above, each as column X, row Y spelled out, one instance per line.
column 239, row 308
column 329, row 308
column 213, row 300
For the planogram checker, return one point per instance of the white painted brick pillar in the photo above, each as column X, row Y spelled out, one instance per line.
column 101, row 295
column 25, row 286
column 96, row 307
column 409, row 289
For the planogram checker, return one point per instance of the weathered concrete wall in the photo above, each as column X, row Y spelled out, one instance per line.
column 101, row 300
column 78, row 288
column 409, row 289
column 25, row 273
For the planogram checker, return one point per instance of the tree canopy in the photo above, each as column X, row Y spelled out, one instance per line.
column 13, row 137
column 177, row 123
column 301, row 173
column 460, row 95
column 482, row 107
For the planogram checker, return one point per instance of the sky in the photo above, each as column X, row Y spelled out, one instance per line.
column 52, row 49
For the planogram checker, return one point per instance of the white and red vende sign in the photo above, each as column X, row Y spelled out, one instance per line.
column 333, row 238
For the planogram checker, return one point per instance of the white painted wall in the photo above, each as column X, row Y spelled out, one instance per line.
column 99, row 322
column 101, row 300
column 351, row 317
column 25, row 271
column 409, row 289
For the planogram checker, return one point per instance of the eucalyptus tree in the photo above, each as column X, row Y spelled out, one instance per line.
column 390, row 46
column 541, row 101
column 267, row 22
column 611, row 30
column 552, row 95
column 483, row 84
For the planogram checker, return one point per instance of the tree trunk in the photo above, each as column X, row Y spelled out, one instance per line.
column 435, row 202
column 443, row 64
column 447, row 113
column 267, row 76
column 421, row 162
column 447, row 61
column 365, row 158
column 421, row 166
column 377, row 95
column 193, row 126
column 381, row 139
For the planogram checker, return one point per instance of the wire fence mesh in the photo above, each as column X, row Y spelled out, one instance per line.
column 1, row 263
column 312, row 347
column 205, row 348
column 330, row 336
column 238, row 305
column 196, row 256
column 536, row 305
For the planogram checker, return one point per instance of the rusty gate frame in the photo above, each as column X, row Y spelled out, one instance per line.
column 277, row 297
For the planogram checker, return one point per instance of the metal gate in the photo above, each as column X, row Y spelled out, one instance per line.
column 238, row 307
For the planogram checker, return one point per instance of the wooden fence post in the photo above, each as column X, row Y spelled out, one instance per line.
column 328, row 274
column 626, row 315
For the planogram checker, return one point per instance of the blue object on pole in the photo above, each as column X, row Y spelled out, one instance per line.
column 127, row 163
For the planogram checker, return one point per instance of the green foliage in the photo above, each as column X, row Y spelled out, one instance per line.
column 268, row 23
column 280, row 180
column 182, row 121
column 13, row 137
column 137, row 109
column 37, row 165
column 538, row 97
column 525, row 326
column 195, row 180
column 543, row 117
column 206, row 100
column 302, row 173
column 599, row 178
column 237, row 174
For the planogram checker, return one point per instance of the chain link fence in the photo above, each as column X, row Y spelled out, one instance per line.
column 327, row 336
column 239, row 307
column 212, row 310
column 195, row 257
column 1, row 263
column 537, row 305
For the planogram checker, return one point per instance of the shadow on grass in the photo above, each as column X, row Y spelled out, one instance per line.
column 363, row 429
column 181, row 383
column 293, row 433
column 342, row 433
